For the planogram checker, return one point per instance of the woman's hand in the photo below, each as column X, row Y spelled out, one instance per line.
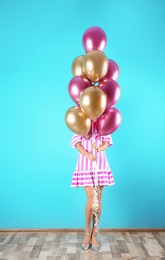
column 102, row 147
column 91, row 156
column 84, row 152
column 93, row 146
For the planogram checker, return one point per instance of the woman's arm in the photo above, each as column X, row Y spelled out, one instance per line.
column 81, row 149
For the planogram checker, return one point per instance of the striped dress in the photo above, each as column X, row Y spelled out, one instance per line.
column 84, row 171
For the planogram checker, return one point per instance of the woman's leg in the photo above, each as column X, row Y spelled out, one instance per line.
column 88, row 213
column 94, row 238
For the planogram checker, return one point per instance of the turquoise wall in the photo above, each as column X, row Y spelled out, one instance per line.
column 38, row 42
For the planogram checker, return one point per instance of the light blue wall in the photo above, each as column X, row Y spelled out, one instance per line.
column 38, row 42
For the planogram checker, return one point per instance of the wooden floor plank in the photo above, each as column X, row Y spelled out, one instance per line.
column 66, row 246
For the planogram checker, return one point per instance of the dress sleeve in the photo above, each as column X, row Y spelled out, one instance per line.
column 75, row 140
column 107, row 138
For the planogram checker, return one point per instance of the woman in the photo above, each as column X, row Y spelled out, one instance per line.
column 91, row 151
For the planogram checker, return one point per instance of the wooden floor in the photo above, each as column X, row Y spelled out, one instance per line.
column 66, row 246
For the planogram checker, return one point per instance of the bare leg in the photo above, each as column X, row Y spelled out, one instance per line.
column 94, row 238
column 88, row 213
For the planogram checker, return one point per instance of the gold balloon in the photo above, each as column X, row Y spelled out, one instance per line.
column 93, row 102
column 77, row 121
column 77, row 66
column 95, row 65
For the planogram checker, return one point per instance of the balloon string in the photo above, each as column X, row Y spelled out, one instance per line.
column 95, row 204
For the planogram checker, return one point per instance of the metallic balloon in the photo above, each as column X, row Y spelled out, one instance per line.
column 108, row 122
column 77, row 66
column 95, row 65
column 112, row 90
column 113, row 70
column 77, row 121
column 94, row 38
column 93, row 102
column 76, row 86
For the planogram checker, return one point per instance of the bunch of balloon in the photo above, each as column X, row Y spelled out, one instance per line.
column 94, row 88
column 95, row 91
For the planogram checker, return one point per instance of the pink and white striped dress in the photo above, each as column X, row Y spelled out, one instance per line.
column 84, row 173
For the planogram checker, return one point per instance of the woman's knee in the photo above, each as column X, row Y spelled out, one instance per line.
column 90, row 195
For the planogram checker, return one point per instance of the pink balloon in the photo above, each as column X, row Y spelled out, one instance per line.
column 76, row 86
column 113, row 70
column 108, row 122
column 94, row 38
column 112, row 90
